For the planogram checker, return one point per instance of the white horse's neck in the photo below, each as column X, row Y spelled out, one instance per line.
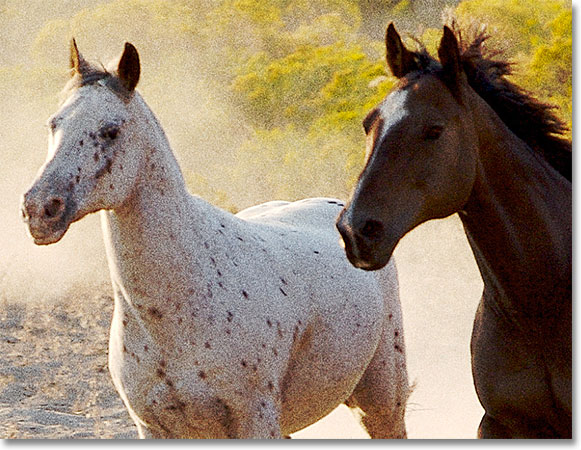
column 157, row 240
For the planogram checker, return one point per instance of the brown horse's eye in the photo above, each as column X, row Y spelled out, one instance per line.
column 433, row 133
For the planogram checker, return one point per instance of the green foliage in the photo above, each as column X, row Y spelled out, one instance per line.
column 537, row 35
column 264, row 100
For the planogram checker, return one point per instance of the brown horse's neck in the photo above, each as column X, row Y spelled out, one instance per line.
column 518, row 221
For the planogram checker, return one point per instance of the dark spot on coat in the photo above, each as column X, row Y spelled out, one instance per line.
column 162, row 363
column 316, row 252
column 243, row 363
column 390, row 316
column 154, row 312
column 283, row 281
column 160, row 372
column 207, row 344
column 124, row 349
column 96, row 156
column 270, row 386
column 124, row 322
column 396, row 333
column 169, row 383
column 81, row 142
column 202, row 374
column 268, row 322
column 245, row 294
column 145, row 347
column 397, row 348
column 275, row 351
column 219, row 273
column 283, row 292
column 206, row 245
column 230, row 316
column 240, row 239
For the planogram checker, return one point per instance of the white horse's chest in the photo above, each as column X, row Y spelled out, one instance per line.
column 165, row 388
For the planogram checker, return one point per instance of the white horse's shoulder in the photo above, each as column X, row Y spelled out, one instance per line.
column 311, row 212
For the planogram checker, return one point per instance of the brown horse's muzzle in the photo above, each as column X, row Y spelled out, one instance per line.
column 363, row 243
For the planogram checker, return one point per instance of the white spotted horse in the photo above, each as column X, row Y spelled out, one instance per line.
column 252, row 325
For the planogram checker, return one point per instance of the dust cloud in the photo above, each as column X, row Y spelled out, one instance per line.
column 440, row 284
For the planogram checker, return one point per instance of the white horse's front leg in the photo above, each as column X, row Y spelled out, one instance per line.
column 258, row 419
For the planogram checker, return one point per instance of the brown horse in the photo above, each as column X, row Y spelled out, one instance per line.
column 455, row 136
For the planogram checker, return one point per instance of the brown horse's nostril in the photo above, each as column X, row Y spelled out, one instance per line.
column 53, row 208
column 373, row 229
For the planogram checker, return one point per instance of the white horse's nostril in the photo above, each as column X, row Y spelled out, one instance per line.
column 54, row 208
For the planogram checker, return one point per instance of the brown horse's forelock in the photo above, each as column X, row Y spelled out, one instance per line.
column 532, row 121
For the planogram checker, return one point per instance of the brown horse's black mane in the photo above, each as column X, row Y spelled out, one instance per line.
column 531, row 120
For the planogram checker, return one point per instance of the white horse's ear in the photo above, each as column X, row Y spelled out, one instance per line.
column 129, row 68
column 77, row 62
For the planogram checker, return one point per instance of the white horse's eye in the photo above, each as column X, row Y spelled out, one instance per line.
column 109, row 132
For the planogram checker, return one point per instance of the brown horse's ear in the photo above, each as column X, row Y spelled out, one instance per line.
column 77, row 62
column 450, row 58
column 128, row 69
column 399, row 59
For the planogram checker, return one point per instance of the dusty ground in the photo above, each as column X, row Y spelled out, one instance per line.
column 54, row 381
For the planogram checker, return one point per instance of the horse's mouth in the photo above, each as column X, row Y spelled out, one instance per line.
column 42, row 237
column 362, row 257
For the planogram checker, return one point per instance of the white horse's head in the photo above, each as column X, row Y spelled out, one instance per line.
column 94, row 150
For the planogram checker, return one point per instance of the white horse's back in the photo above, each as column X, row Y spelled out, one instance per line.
column 312, row 213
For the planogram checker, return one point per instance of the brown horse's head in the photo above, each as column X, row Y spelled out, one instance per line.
column 421, row 153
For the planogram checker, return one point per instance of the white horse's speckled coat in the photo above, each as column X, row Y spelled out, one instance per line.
column 247, row 326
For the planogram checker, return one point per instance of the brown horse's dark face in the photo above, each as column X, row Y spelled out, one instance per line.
column 421, row 161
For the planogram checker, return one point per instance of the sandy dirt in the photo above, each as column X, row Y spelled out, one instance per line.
column 54, row 381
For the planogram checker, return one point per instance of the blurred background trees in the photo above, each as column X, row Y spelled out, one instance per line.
column 261, row 100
